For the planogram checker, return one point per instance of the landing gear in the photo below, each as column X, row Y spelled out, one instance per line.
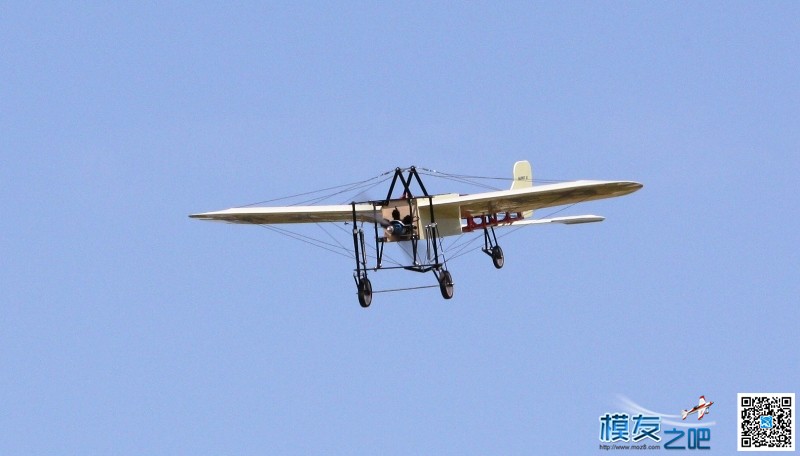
column 491, row 248
column 445, row 284
column 364, row 292
column 497, row 257
column 407, row 219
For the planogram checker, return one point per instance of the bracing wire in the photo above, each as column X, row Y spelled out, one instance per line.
column 331, row 236
column 336, row 187
column 460, row 179
column 308, row 240
column 513, row 229
column 466, row 177
column 365, row 189
column 405, row 289
column 337, row 249
column 386, row 256
column 361, row 187
column 459, row 248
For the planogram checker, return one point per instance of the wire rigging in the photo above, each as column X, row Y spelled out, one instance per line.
column 307, row 239
column 360, row 187
column 513, row 229
column 405, row 288
column 434, row 173
column 458, row 248
column 336, row 187
column 463, row 180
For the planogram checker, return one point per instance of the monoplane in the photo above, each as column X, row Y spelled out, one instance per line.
column 418, row 221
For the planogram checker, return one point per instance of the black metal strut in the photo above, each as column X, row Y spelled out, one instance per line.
column 489, row 241
column 433, row 261
column 358, row 247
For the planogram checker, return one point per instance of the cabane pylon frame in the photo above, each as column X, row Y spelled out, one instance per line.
column 406, row 230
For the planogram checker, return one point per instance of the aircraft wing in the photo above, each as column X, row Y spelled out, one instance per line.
column 536, row 197
column 457, row 206
column 700, row 413
column 292, row 214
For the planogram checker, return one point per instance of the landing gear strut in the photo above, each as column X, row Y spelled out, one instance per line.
column 491, row 248
column 400, row 220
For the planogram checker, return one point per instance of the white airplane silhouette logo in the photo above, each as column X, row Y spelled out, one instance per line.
column 701, row 408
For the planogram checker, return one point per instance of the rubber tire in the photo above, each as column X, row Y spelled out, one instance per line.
column 497, row 257
column 364, row 293
column 446, row 285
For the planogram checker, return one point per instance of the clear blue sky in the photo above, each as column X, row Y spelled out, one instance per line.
column 129, row 329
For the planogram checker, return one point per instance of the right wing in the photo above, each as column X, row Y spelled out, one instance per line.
column 536, row 197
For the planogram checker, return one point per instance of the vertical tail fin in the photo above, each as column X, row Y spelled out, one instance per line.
column 523, row 178
column 683, row 414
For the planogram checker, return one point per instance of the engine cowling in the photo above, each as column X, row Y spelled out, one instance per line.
column 397, row 228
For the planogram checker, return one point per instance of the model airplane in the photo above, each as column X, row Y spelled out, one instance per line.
column 701, row 408
column 419, row 222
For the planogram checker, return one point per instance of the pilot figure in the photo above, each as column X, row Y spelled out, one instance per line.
column 407, row 220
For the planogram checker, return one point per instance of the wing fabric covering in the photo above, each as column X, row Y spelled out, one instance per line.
column 292, row 214
column 515, row 200
column 539, row 197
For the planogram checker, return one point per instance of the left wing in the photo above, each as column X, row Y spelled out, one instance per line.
column 293, row 214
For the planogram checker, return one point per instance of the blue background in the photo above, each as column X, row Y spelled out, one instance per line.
column 128, row 328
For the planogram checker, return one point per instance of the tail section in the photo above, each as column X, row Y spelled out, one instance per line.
column 523, row 178
column 684, row 414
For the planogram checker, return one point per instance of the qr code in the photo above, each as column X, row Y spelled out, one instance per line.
column 766, row 422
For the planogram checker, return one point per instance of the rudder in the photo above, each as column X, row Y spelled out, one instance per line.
column 523, row 175
column 523, row 178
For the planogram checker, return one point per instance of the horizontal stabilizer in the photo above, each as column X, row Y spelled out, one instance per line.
column 569, row 220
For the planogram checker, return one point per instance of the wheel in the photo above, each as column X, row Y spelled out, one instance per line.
column 364, row 292
column 446, row 284
column 497, row 257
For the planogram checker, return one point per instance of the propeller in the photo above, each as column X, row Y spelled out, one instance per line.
column 395, row 227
